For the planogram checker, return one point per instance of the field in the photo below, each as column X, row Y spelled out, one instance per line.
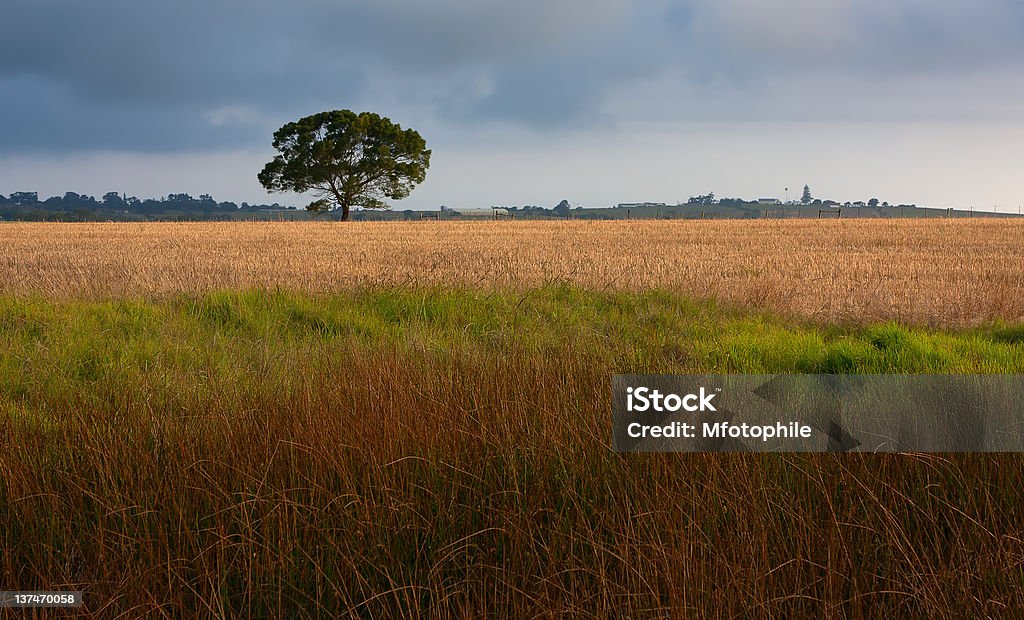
column 412, row 420
column 937, row 273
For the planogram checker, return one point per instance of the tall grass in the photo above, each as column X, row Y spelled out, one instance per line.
column 927, row 272
column 446, row 453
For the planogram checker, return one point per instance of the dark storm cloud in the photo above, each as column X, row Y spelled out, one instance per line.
column 149, row 75
column 154, row 76
column 45, row 112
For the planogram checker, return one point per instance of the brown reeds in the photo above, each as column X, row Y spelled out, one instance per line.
column 389, row 483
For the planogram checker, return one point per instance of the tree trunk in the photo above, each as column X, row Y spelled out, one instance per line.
column 344, row 212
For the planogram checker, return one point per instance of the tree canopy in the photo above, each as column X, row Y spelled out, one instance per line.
column 346, row 160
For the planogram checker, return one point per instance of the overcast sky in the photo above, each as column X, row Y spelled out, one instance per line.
column 527, row 102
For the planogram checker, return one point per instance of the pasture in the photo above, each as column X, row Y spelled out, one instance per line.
column 412, row 420
column 934, row 272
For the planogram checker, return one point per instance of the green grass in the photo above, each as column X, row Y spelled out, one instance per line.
column 440, row 452
column 54, row 349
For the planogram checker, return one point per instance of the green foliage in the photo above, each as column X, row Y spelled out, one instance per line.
column 1013, row 334
column 704, row 199
column 624, row 332
column 347, row 160
column 320, row 205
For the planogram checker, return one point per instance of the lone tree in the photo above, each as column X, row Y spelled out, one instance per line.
column 806, row 198
column 346, row 160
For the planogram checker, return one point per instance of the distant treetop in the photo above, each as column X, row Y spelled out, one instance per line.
column 346, row 160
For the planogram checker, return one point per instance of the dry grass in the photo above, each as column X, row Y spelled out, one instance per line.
column 443, row 453
column 936, row 272
column 222, row 458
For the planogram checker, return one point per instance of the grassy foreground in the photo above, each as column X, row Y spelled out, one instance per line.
column 446, row 452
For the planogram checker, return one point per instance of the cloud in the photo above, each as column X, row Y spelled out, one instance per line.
column 207, row 75
column 863, row 37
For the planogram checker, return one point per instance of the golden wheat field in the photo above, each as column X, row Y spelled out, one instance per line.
column 948, row 272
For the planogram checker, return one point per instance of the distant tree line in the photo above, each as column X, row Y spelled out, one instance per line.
column 805, row 199
column 76, row 207
column 114, row 206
